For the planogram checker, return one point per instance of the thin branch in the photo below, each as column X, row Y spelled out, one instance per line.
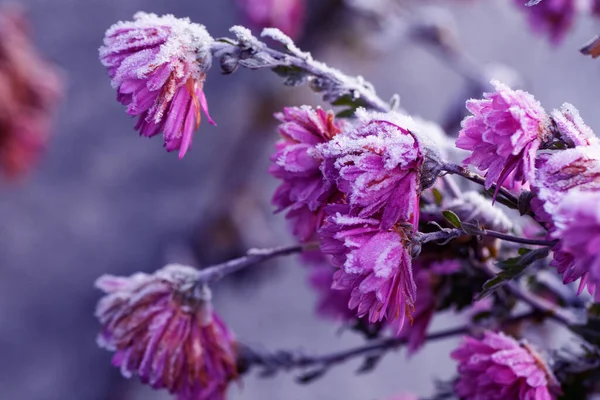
column 296, row 66
column 254, row 256
column 445, row 235
column 272, row 363
column 543, row 306
column 480, row 180
column 288, row 360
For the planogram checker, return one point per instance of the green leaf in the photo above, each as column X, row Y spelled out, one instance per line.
column 347, row 113
column 452, row 218
column 512, row 268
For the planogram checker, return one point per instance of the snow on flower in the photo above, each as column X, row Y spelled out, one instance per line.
column 571, row 127
column 499, row 367
column 303, row 191
column 158, row 66
column 378, row 167
column 163, row 330
column 375, row 265
column 504, row 134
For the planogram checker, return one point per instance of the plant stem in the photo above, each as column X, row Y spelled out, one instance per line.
column 448, row 234
column 480, row 180
column 254, row 256
column 289, row 360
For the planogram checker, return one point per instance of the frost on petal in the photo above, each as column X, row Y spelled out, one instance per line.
column 495, row 365
column 165, row 332
column 572, row 128
column 504, row 134
column 157, row 65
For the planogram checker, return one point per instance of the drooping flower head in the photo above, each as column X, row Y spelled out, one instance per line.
column 158, row 66
column 497, row 367
column 303, row 191
column 504, row 134
column 374, row 265
column 285, row 15
column 162, row 328
column 577, row 226
column 552, row 18
column 378, row 167
column 29, row 92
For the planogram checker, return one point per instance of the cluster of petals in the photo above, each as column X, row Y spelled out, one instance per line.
column 504, row 134
column 497, row 367
column 285, row 15
column 158, row 67
column 303, row 190
column 331, row 303
column 29, row 92
column 161, row 329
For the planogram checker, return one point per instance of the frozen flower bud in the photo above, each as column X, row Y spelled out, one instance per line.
column 504, row 134
column 285, row 15
column 552, row 18
column 162, row 328
column 573, row 131
column 379, row 167
column 499, row 367
column 374, row 265
column 158, row 66
column 471, row 207
column 303, row 191
column 29, row 92
column 577, row 225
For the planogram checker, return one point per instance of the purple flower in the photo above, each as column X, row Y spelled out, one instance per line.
column 158, row 64
column 504, row 134
column 375, row 265
column 163, row 330
column 571, row 127
column 286, row 15
column 577, row 225
column 303, row 191
column 553, row 18
column 498, row 367
column 378, row 167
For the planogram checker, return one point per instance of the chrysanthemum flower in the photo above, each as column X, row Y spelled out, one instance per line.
column 504, row 134
column 375, row 265
column 285, row 15
column 378, row 167
column 497, row 367
column 552, row 18
column 164, row 330
column 158, row 66
column 303, row 191
column 577, row 226
column 332, row 304
column 29, row 92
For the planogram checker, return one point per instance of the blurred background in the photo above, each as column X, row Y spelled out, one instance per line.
column 102, row 200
